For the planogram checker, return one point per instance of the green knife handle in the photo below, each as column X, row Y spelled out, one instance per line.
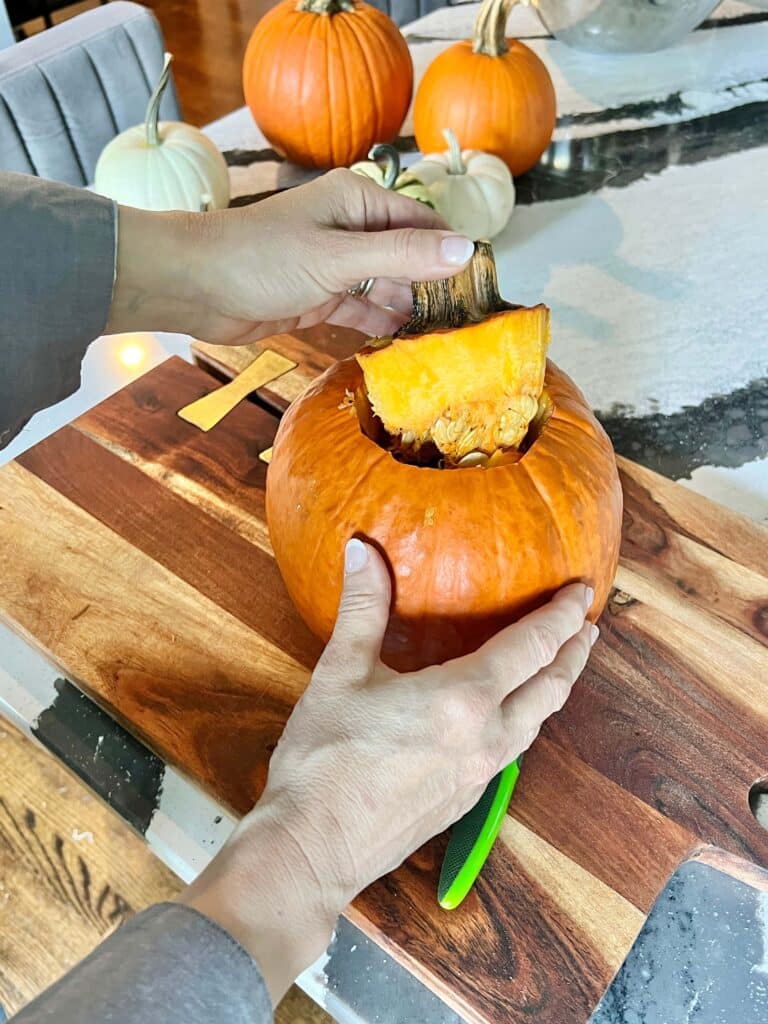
column 473, row 836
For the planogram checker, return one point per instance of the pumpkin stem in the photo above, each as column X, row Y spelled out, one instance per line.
column 455, row 163
column 490, row 36
column 468, row 297
column 389, row 156
column 325, row 6
column 153, row 107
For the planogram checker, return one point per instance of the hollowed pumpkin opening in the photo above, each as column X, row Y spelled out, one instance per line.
column 462, row 384
column 428, row 455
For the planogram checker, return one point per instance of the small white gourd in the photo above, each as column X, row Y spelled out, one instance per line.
column 472, row 191
column 165, row 166
column 383, row 167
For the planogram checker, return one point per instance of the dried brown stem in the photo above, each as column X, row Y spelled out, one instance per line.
column 468, row 297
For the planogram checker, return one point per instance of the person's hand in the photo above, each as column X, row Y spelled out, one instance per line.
column 234, row 276
column 373, row 763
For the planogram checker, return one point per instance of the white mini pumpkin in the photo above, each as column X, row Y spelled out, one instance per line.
column 383, row 167
column 165, row 166
column 472, row 191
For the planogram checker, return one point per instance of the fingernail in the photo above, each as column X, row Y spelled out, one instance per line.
column 456, row 250
column 589, row 597
column 594, row 633
column 355, row 556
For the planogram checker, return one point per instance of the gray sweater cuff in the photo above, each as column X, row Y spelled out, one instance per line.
column 57, row 264
column 168, row 965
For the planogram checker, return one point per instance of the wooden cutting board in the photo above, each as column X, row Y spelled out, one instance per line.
column 135, row 554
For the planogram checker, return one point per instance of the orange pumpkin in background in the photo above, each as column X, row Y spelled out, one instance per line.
column 326, row 79
column 494, row 94
column 475, row 535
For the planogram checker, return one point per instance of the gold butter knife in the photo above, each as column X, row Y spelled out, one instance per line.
column 211, row 409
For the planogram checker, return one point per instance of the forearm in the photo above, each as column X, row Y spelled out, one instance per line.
column 254, row 919
column 74, row 266
column 275, row 888
column 157, row 281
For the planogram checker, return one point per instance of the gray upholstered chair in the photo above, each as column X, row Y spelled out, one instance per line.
column 66, row 92
column 403, row 11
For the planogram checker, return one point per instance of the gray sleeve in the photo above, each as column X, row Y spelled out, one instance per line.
column 169, row 965
column 57, row 270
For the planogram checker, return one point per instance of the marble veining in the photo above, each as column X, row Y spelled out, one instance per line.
column 657, row 290
column 701, row 958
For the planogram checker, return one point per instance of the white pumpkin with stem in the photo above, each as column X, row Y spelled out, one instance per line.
column 383, row 167
column 472, row 191
column 163, row 166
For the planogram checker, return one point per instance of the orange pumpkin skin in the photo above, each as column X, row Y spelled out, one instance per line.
column 470, row 550
column 503, row 104
column 324, row 87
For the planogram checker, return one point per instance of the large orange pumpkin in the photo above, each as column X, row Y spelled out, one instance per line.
column 494, row 94
column 326, row 79
column 470, row 549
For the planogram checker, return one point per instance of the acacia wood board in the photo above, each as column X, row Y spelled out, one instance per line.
column 135, row 554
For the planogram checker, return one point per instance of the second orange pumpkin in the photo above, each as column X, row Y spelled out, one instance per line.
column 326, row 79
column 494, row 94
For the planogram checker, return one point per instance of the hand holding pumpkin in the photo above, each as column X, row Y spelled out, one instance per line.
column 373, row 763
column 233, row 276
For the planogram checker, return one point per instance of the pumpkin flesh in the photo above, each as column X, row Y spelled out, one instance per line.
column 471, row 389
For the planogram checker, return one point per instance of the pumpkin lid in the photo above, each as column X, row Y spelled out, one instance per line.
column 465, row 375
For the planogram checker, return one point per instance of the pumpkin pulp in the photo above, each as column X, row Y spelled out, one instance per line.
column 465, row 377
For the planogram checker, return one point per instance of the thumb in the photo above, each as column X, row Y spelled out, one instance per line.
column 417, row 254
column 353, row 650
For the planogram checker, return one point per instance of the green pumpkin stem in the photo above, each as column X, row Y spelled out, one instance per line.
column 455, row 163
column 490, row 35
column 470, row 296
column 326, row 6
column 153, row 107
column 387, row 155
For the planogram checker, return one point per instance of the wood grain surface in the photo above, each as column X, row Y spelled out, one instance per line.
column 744, row 871
column 70, row 872
column 135, row 554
